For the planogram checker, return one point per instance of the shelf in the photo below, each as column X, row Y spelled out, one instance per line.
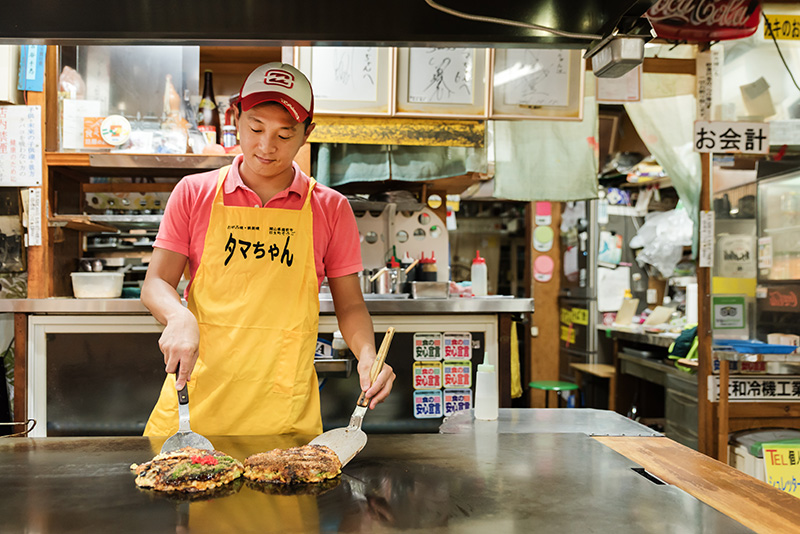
column 108, row 164
column 105, row 223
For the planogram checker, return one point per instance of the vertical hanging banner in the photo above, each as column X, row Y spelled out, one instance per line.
column 709, row 83
column 34, row 236
column 31, row 68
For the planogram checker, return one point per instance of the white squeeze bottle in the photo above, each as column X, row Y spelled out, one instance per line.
column 486, row 395
column 478, row 275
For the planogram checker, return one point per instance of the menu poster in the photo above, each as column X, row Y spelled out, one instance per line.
column 20, row 145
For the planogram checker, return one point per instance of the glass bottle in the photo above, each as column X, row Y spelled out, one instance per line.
column 207, row 114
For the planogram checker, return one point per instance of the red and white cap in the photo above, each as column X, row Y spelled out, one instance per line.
column 282, row 83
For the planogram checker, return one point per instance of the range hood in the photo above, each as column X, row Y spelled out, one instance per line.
column 316, row 22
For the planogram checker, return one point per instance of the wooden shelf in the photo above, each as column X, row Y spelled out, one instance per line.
column 149, row 165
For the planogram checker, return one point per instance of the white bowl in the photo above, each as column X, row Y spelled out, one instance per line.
column 97, row 285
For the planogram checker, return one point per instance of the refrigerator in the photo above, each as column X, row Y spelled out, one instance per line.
column 582, row 224
column 778, row 226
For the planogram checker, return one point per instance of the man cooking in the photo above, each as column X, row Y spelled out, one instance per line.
column 259, row 236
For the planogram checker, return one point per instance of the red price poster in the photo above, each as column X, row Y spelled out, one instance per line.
column 428, row 346
column 457, row 346
column 428, row 404
column 456, row 400
column 427, row 375
column 457, row 374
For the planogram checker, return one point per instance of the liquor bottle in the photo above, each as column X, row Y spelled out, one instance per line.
column 207, row 113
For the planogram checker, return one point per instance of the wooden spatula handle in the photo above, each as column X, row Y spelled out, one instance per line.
column 377, row 365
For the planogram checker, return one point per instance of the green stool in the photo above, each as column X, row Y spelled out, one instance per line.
column 552, row 385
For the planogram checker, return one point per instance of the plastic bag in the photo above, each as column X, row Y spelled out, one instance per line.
column 662, row 238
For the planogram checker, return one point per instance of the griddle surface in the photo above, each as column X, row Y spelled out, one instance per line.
column 427, row 482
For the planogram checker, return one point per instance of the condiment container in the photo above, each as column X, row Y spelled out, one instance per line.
column 428, row 270
column 102, row 285
column 339, row 346
column 486, row 394
column 478, row 276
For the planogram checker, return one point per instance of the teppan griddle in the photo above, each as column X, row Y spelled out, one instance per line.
column 544, row 482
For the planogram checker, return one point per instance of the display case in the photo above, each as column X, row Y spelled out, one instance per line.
column 778, row 292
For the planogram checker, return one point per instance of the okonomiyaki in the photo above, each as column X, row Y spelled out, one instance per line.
column 298, row 465
column 187, row 470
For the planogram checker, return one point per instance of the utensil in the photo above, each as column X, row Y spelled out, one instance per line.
column 184, row 437
column 347, row 442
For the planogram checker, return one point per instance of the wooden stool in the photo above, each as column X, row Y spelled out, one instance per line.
column 552, row 385
column 601, row 370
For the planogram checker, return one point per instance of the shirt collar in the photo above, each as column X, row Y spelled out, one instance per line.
column 234, row 180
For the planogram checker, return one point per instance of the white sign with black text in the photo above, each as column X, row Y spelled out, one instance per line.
column 731, row 137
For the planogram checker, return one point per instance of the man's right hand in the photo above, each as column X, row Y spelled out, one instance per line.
column 179, row 342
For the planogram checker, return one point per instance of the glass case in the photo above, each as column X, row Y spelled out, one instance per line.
column 136, row 99
column 778, row 292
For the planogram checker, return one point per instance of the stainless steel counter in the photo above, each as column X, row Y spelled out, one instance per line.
column 374, row 305
column 548, row 420
column 433, row 483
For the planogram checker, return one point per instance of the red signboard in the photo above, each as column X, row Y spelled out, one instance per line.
column 783, row 298
column 704, row 21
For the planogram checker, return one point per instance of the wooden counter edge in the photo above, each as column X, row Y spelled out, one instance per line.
column 739, row 496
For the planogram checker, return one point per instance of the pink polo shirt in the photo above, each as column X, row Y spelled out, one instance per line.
column 337, row 249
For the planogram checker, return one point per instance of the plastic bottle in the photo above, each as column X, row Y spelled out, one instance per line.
column 339, row 346
column 486, row 395
column 428, row 269
column 478, row 276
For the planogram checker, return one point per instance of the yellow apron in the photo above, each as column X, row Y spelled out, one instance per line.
column 255, row 297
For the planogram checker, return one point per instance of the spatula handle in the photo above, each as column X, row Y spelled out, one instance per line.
column 377, row 365
column 183, row 393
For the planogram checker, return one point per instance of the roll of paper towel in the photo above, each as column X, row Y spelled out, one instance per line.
column 691, row 304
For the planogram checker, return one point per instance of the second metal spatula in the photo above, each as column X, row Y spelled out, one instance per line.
column 347, row 442
column 184, row 437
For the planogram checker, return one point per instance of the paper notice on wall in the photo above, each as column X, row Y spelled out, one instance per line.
column 611, row 286
column 34, row 236
column 20, row 145
column 706, row 256
column 72, row 124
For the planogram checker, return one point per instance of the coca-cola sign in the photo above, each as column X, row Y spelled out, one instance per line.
column 782, row 298
column 704, row 21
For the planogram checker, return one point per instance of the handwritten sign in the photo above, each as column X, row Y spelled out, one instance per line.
column 20, row 145
column 457, row 374
column 345, row 73
column 731, row 137
column 427, row 346
column 428, row 404
column 785, row 27
column 427, row 375
column 443, row 75
column 535, row 77
column 762, row 388
column 782, row 466
column 456, row 400
column 457, row 346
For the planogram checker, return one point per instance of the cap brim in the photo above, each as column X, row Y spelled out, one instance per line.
column 292, row 106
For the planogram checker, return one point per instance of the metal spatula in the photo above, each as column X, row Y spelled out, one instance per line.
column 347, row 442
column 184, row 437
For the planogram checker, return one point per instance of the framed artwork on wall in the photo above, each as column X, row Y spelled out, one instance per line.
column 436, row 82
column 537, row 83
column 349, row 80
